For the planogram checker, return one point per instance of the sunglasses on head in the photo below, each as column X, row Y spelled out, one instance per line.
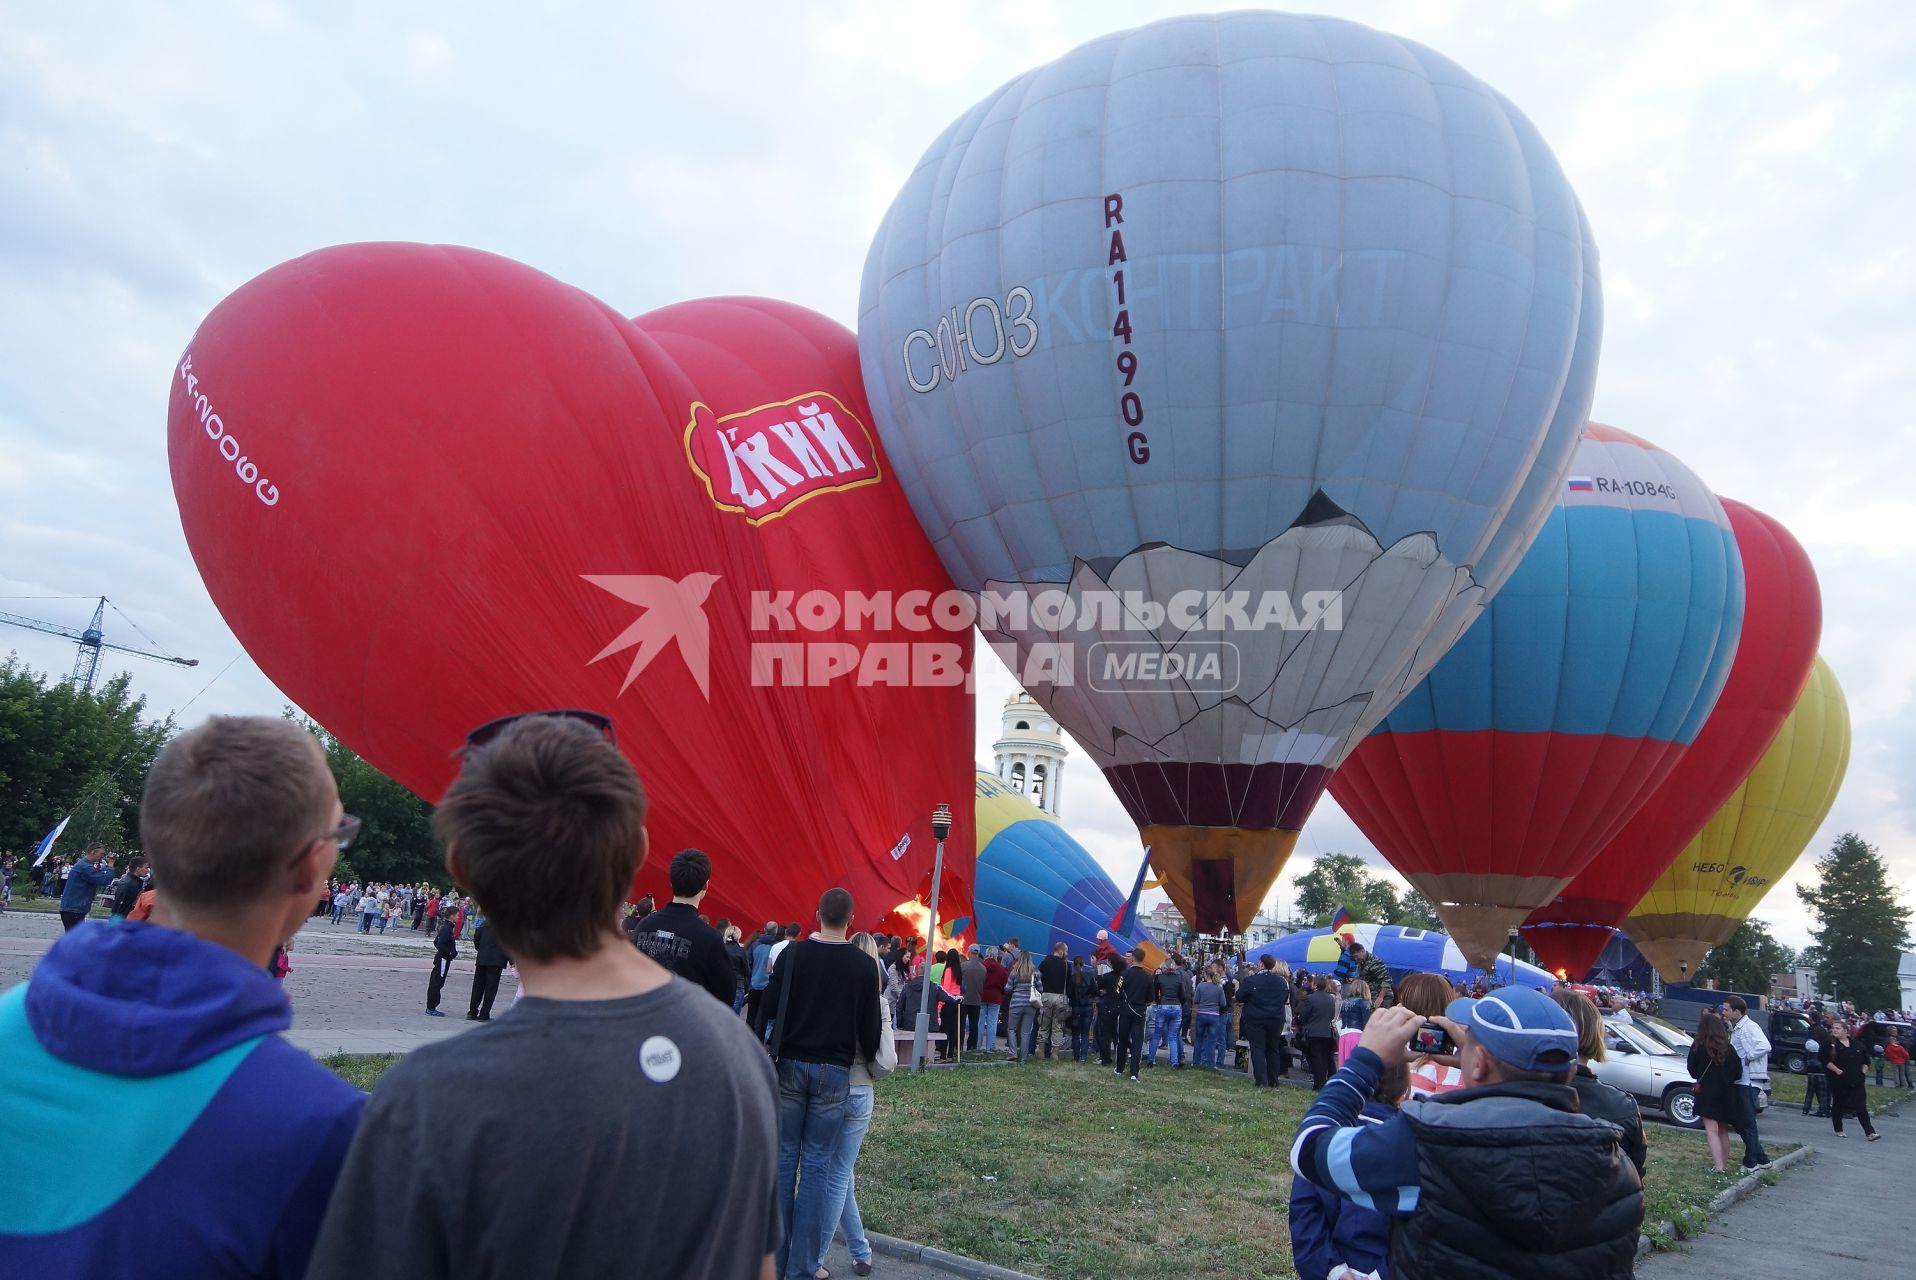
column 491, row 729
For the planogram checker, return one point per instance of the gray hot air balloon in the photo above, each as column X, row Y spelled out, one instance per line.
column 1235, row 361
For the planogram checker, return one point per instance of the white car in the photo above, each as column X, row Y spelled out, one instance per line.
column 1648, row 1071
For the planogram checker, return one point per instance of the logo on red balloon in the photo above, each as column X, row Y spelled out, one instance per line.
column 763, row 462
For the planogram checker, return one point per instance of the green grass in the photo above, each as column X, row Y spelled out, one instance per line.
column 360, row 1069
column 1064, row 1170
column 1787, row 1090
column 1678, row 1180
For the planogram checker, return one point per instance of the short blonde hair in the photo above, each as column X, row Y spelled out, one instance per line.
column 1357, row 989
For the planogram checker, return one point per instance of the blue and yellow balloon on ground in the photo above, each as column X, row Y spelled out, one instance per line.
column 1035, row 883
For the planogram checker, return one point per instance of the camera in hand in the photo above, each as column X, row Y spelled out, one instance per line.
column 1432, row 1039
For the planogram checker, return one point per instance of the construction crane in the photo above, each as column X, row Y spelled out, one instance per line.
column 86, row 663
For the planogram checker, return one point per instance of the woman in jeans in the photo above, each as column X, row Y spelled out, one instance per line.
column 1352, row 1014
column 841, row 1199
column 1024, row 1010
column 1207, row 1049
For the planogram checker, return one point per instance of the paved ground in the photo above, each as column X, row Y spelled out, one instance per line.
column 1846, row 1207
column 351, row 993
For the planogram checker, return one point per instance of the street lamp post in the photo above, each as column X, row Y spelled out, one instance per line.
column 940, row 828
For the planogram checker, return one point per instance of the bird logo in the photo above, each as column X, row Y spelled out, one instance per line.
column 674, row 610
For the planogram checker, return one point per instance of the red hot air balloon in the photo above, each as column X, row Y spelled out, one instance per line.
column 1782, row 621
column 427, row 486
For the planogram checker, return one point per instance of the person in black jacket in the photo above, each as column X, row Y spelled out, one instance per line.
column 1845, row 1061
column 676, row 937
column 1320, row 1030
column 1504, row 1179
column 445, row 949
column 490, row 961
column 129, row 887
column 1266, row 997
column 1108, row 1011
column 1595, row 1097
column 1134, row 990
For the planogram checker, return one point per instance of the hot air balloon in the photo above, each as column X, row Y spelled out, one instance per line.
column 1232, row 362
column 1540, row 732
column 1404, row 951
column 1753, row 840
column 1035, row 883
column 1782, row 619
column 427, row 486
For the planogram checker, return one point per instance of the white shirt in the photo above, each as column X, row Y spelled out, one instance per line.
column 1753, row 1047
column 369, row 903
column 771, row 957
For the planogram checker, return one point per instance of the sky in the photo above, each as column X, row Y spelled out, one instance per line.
column 1747, row 170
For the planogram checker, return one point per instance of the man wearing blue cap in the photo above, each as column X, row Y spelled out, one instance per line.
column 1504, row 1179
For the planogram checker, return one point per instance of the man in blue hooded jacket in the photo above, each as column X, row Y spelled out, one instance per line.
column 86, row 879
column 168, row 1131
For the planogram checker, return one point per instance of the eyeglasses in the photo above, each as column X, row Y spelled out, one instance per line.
column 491, row 729
column 342, row 835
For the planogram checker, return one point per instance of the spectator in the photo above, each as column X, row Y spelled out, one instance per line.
column 489, row 963
column 841, row 1209
column 368, row 908
column 1816, row 1081
column 1845, row 1061
column 1054, row 1001
column 912, row 998
column 1594, row 1097
column 128, row 888
column 1445, row 1166
column 86, row 878
column 1208, row 1038
column 1896, row 1053
column 1084, row 997
column 761, row 976
column 1353, row 1011
column 1266, row 1000
column 1319, row 1030
column 662, row 1148
column 1718, row 1073
column 1428, row 995
column 676, row 937
column 1753, row 1047
column 828, row 1015
column 1167, row 992
column 1135, row 988
column 971, row 992
column 1024, row 1008
column 203, row 1144
column 445, row 949
column 992, row 1000
column 1330, row 1236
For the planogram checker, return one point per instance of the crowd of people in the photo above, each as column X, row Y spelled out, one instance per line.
column 688, row 1102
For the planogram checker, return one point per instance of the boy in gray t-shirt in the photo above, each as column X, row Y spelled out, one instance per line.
column 616, row 1121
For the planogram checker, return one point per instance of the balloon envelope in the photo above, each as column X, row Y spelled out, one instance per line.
column 477, row 491
column 1573, row 695
column 1782, row 619
column 1279, row 309
column 1753, row 840
column 1035, row 883
column 1403, row 951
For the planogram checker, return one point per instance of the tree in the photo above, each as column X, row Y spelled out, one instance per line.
column 396, row 841
column 1747, row 959
column 55, row 739
column 1343, row 880
column 97, row 814
column 1414, row 911
column 1862, row 926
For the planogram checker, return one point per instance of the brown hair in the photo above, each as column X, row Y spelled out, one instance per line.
column 547, row 826
column 1713, row 1036
column 1589, row 1022
column 1426, row 993
column 228, row 805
